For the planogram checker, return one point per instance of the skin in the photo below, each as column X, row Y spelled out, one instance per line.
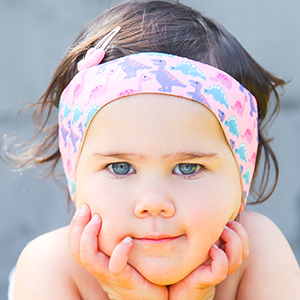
column 156, row 198
column 173, row 219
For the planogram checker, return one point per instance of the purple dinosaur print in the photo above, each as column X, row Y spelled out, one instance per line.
column 80, row 128
column 130, row 66
column 241, row 169
column 221, row 115
column 232, row 143
column 196, row 95
column 164, row 77
column 241, row 88
column 251, row 105
column 74, row 136
column 64, row 131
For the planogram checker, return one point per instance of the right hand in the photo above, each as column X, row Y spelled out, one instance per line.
column 118, row 279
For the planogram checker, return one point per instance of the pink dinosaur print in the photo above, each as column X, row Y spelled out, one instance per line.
column 223, row 79
column 101, row 89
column 239, row 107
column 69, row 163
column 248, row 135
column 253, row 159
column 78, row 90
column 141, row 79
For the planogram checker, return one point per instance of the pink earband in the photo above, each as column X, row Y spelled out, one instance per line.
column 158, row 73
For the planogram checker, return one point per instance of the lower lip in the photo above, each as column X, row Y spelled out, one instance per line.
column 158, row 241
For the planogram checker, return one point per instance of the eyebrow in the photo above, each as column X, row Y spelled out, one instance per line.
column 170, row 157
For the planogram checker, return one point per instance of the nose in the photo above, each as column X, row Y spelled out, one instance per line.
column 153, row 202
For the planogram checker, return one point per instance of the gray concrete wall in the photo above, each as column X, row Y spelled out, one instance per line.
column 33, row 36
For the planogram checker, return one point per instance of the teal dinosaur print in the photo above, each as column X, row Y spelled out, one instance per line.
column 91, row 112
column 67, row 110
column 188, row 69
column 72, row 187
column 246, row 176
column 218, row 94
column 59, row 105
column 77, row 113
column 241, row 150
column 232, row 123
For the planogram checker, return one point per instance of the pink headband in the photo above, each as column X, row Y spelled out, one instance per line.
column 158, row 73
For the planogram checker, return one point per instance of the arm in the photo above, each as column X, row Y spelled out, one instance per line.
column 46, row 270
column 39, row 274
column 271, row 270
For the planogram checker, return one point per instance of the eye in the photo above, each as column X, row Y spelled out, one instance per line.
column 121, row 168
column 186, row 169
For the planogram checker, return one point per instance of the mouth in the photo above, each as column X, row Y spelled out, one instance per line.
column 159, row 239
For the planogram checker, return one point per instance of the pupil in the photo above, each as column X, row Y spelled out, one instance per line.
column 121, row 168
column 187, row 168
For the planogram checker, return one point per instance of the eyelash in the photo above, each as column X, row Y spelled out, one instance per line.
column 199, row 170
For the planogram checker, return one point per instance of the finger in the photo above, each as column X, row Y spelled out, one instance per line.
column 242, row 233
column 212, row 272
column 119, row 257
column 91, row 257
column 82, row 218
column 219, row 264
column 233, row 249
column 118, row 267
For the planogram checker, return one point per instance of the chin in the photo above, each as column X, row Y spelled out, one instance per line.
column 160, row 273
column 161, row 277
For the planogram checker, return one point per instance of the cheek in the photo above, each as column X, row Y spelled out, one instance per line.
column 207, row 206
column 112, row 204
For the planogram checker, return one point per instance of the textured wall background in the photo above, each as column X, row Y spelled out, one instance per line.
column 33, row 36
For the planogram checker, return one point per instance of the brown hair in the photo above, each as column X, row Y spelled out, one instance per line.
column 161, row 26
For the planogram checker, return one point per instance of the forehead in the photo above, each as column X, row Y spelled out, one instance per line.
column 154, row 118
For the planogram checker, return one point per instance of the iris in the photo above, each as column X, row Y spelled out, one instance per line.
column 121, row 168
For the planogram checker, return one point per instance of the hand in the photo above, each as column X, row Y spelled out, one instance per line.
column 200, row 284
column 118, row 279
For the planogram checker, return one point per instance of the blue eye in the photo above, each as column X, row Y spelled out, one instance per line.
column 120, row 168
column 186, row 169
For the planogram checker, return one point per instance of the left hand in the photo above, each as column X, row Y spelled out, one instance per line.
column 200, row 284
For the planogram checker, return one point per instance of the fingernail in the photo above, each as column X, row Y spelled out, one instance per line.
column 83, row 209
column 95, row 219
column 127, row 240
column 215, row 246
column 229, row 221
column 226, row 227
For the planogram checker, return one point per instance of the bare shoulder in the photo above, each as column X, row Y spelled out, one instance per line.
column 47, row 270
column 271, row 271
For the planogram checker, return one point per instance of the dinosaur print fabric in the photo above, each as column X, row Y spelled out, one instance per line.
column 159, row 73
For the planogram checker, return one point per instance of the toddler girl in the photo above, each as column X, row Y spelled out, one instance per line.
column 160, row 137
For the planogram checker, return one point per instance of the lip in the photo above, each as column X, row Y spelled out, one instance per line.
column 158, row 239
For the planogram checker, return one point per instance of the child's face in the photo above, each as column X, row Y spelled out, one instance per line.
column 157, row 168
